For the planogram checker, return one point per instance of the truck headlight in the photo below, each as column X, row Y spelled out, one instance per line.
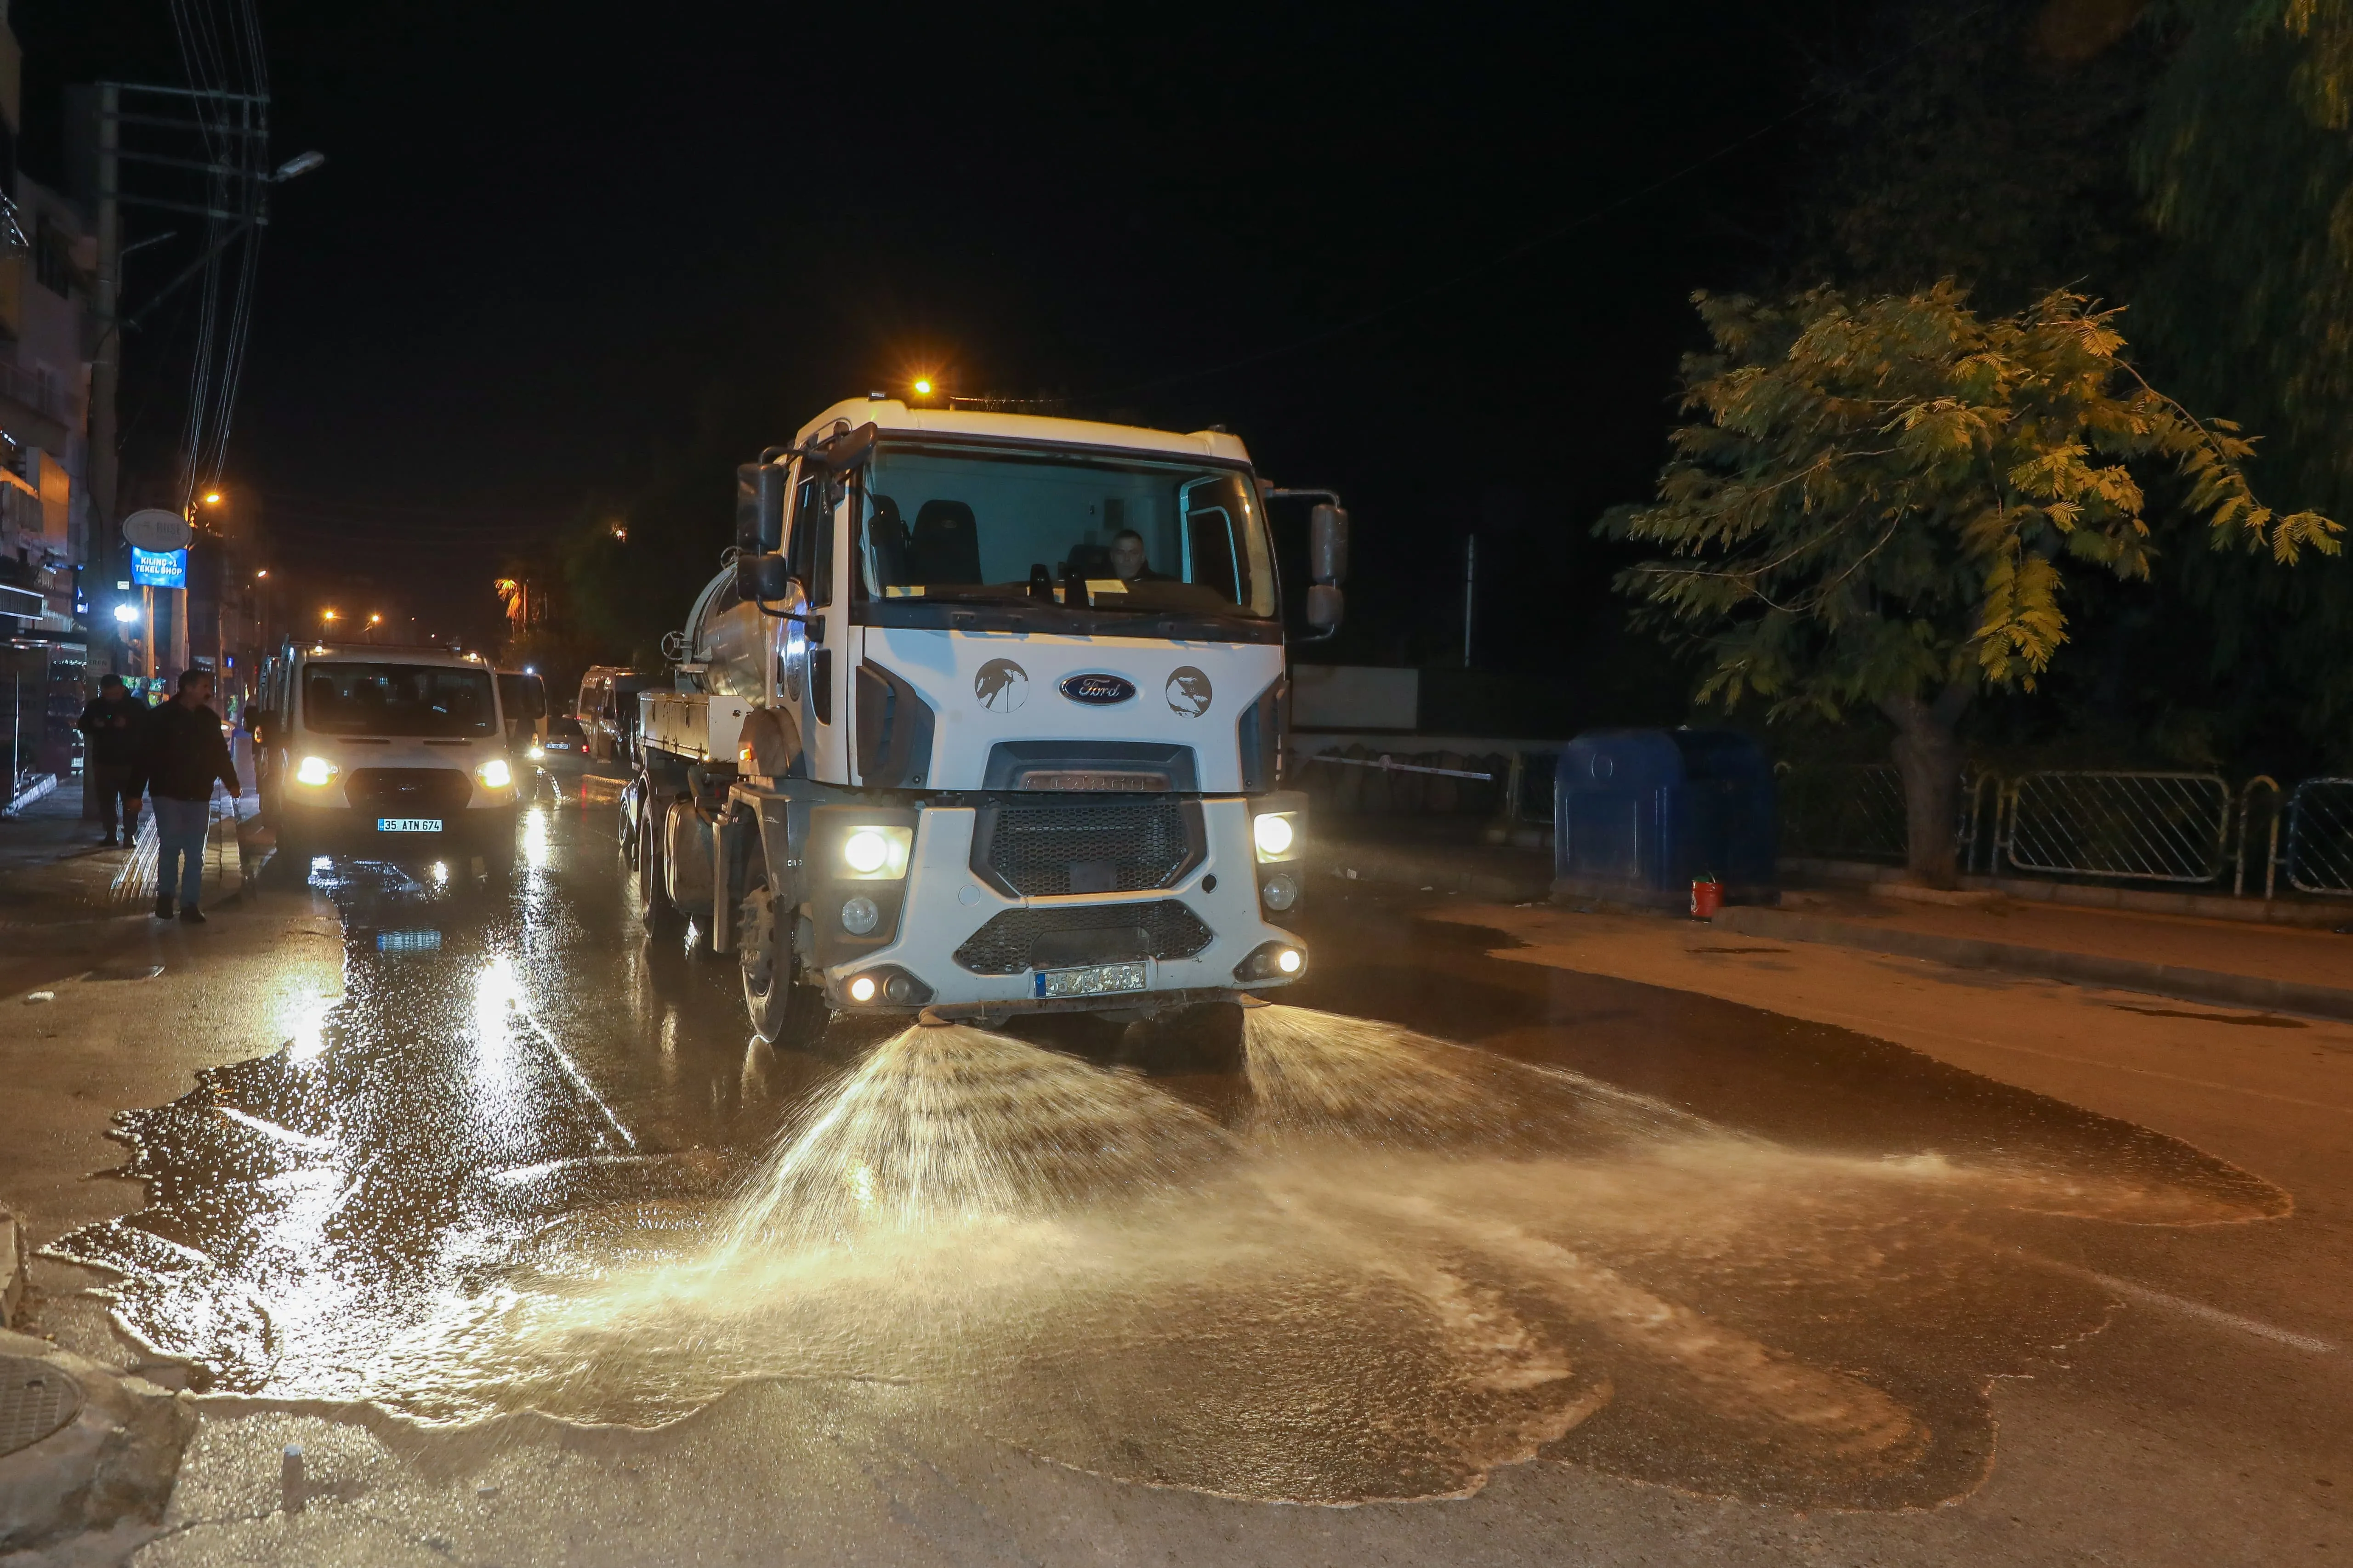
column 1279, row 891
column 315, row 772
column 1275, row 836
column 495, row 774
column 859, row 915
column 877, row 853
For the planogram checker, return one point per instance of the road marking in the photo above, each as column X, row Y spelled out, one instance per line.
column 2203, row 1312
column 571, row 1068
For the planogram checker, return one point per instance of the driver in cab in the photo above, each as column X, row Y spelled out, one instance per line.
column 1127, row 559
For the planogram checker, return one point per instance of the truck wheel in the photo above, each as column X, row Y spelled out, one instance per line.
column 780, row 1009
column 654, row 907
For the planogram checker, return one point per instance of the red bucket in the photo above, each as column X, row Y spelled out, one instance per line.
column 1707, row 897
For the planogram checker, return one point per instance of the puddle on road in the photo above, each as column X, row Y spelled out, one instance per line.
column 1353, row 1263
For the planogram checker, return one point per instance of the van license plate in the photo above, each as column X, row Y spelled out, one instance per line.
column 409, row 824
column 1098, row 980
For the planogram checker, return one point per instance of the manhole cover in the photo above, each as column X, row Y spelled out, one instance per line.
column 36, row 1399
column 125, row 972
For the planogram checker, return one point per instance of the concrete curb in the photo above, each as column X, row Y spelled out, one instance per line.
column 12, row 1268
column 114, row 1462
column 2051, row 964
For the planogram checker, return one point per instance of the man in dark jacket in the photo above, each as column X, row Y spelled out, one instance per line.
column 186, row 752
column 115, row 726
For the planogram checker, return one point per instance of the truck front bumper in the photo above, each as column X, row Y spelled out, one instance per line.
column 962, row 946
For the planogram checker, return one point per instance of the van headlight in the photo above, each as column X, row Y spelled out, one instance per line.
column 1275, row 834
column 877, row 853
column 315, row 772
column 495, row 774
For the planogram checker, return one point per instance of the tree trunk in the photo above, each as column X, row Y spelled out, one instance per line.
column 1928, row 754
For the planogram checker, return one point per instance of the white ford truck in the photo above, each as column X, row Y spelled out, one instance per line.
column 985, row 715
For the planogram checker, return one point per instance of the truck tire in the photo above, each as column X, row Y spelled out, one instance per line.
column 654, row 908
column 780, row 1008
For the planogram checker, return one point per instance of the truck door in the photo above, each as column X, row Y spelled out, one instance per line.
column 814, row 662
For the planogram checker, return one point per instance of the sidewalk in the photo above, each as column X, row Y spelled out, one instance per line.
column 2297, row 968
column 66, row 903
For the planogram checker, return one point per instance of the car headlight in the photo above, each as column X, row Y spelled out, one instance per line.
column 877, row 853
column 1275, row 834
column 495, row 774
column 537, row 752
column 315, row 772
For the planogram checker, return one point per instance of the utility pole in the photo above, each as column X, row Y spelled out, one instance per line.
column 1470, row 591
column 106, row 369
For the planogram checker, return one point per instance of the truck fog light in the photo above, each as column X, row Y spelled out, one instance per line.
column 1279, row 891
column 859, row 915
column 314, row 772
column 1273, row 835
column 862, row 988
column 1272, row 961
column 899, row 988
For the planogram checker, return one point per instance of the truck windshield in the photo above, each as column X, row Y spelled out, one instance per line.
column 403, row 700
column 972, row 522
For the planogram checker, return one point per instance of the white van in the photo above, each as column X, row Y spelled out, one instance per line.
column 389, row 752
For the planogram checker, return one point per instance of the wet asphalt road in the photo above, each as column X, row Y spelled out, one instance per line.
column 529, row 1161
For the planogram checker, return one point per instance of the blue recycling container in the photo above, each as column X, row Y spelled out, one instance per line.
column 1639, row 813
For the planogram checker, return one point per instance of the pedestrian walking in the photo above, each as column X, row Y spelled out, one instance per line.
column 186, row 754
column 115, row 754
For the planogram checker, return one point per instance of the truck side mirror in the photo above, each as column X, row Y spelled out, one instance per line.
column 763, row 577
column 759, row 507
column 1327, row 552
column 1325, row 607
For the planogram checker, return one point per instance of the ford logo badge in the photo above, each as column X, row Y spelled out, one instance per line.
column 1102, row 690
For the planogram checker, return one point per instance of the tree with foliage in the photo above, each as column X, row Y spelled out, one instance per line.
column 1884, row 497
column 2246, row 162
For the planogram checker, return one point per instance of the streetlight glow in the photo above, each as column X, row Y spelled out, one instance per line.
column 212, row 498
column 126, row 614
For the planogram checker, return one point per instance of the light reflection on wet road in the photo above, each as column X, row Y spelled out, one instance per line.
column 529, row 1162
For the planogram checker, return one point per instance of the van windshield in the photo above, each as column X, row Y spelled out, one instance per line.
column 973, row 522
column 429, row 700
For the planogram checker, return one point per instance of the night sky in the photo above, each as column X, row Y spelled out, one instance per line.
column 553, row 240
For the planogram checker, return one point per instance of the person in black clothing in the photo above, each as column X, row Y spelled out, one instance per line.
column 186, row 754
column 1127, row 559
column 115, row 753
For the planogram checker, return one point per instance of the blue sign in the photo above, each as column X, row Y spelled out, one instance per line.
column 159, row 568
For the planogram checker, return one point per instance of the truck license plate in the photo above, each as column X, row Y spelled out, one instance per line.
column 1098, row 980
column 409, row 824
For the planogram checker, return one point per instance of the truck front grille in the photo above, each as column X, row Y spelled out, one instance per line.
column 1094, row 933
column 1086, row 847
column 409, row 792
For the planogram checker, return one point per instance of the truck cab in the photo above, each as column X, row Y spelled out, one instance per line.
column 986, row 715
column 389, row 752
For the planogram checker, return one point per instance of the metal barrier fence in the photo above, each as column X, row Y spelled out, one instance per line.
column 1843, row 811
column 2319, row 857
column 2115, row 826
column 2132, row 827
